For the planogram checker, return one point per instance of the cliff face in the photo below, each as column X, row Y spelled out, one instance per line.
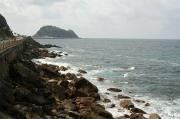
column 55, row 32
column 5, row 31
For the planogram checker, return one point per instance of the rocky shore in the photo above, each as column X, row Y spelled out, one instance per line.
column 41, row 91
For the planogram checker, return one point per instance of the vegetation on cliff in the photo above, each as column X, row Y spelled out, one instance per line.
column 55, row 32
column 5, row 30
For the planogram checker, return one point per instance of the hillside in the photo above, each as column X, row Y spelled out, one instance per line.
column 5, row 31
column 55, row 32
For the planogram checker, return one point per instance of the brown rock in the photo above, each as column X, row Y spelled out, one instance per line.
column 62, row 68
column 86, row 89
column 121, row 117
column 114, row 90
column 79, row 74
column 154, row 116
column 123, row 97
column 100, row 110
column 50, row 70
column 106, row 100
column 126, row 104
column 137, row 116
column 137, row 110
column 69, row 105
column 70, row 76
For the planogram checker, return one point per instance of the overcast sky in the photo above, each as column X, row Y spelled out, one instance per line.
column 96, row 18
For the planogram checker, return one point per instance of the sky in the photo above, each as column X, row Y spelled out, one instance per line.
column 97, row 18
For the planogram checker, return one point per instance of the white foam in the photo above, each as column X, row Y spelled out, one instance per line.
column 123, row 69
column 52, row 62
column 131, row 68
column 125, row 75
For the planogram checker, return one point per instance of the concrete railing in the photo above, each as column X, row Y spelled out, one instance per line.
column 6, row 44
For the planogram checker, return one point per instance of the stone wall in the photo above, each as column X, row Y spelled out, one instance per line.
column 7, row 57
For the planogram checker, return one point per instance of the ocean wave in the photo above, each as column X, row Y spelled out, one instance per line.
column 124, row 69
column 52, row 61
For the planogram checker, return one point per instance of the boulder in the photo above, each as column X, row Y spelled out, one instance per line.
column 106, row 100
column 114, row 90
column 126, row 104
column 147, row 104
column 123, row 97
column 137, row 116
column 139, row 101
column 121, row 117
column 100, row 110
column 70, row 76
column 69, row 105
column 50, row 70
column 100, row 79
column 137, row 110
column 154, row 116
column 86, row 88
column 82, row 71
column 62, row 68
column 111, row 105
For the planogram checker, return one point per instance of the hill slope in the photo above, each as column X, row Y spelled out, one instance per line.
column 55, row 32
column 5, row 31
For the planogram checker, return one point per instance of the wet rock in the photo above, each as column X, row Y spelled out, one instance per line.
column 82, row 71
column 126, row 104
column 102, row 112
column 69, row 105
column 137, row 116
column 62, row 68
column 70, row 76
column 106, row 100
column 123, row 97
column 137, row 110
column 139, row 101
column 114, row 90
column 100, row 79
column 50, row 45
column 111, row 106
column 86, row 88
column 147, row 104
column 50, row 70
column 126, row 115
column 79, row 74
column 154, row 116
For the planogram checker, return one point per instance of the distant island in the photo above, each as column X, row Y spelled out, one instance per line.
column 54, row 32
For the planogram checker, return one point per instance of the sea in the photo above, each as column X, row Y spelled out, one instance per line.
column 145, row 69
